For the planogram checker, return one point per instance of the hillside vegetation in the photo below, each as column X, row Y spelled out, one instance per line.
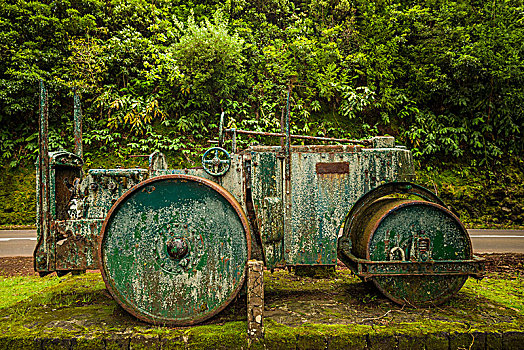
column 444, row 77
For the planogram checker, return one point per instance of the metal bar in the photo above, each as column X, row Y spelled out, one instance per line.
column 39, row 181
column 282, row 139
column 288, row 132
column 303, row 137
column 221, row 131
column 287, row 176
column 367, row 268
column 44, row 186
column 234, row 142
column 78, row 125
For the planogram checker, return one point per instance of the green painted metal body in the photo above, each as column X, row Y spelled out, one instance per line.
column 319, row 200
column 325, row 182
column 172, row 244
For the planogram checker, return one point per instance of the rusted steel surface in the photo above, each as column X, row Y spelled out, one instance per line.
column 173, row 244
column 76, row 244
column 320, row 201
column 332, row 168
column 267, row 190
column 101, row 188
column 308, row 148
column 324, row 182
column 146, row 272
column 416, row 252
column 368, row 268
column 300, row 137
column 44, row 250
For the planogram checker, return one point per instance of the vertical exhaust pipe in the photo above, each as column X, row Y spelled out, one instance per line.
column 78, row 125
column 41, row 260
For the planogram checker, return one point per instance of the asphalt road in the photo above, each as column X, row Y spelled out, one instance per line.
column 22, row 242
column 17, row 243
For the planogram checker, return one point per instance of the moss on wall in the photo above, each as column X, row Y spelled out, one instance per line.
column 17, row 196
column 483, row 197
column 77, row 312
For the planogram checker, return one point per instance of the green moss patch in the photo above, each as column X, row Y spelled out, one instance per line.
column 483, row 197
column 17, row 197
column 300, row 312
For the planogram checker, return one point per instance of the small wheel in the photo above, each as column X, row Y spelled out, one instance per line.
column 216, row 161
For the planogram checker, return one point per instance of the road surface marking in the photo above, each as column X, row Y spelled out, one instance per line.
column 18, row 239
column 494, row 236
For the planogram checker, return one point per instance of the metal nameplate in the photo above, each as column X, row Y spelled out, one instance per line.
column 333, row 168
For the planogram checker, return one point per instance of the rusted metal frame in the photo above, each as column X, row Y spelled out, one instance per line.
column 45, row 239
column 367, row 268
column 234, row 142
column 287, row 175
column 117, row 172
column 76, row 247
column 282, row 131
column 221, row 131
column 78, row 124
column 301, row 137
column 256, row 242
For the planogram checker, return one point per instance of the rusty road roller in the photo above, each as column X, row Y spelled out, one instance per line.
column 173, row 244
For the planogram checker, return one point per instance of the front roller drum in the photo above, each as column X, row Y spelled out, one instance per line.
column 409, row 244
column 174, row 249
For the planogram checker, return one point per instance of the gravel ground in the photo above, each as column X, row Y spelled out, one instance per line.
column 506, row 263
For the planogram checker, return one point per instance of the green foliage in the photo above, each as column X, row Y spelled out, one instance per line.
column 209, row 60
column 17, row 196
column 443, row 77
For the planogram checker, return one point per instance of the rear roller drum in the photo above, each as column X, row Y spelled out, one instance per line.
column 174, row 249
column 394, row 229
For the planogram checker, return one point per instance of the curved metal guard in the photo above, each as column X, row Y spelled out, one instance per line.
column 344, row 242
column 216, row 161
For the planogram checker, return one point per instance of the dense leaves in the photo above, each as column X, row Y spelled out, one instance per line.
column 443, row 77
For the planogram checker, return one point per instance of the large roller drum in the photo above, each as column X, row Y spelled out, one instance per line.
column 409, row 237
column 174, row 249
